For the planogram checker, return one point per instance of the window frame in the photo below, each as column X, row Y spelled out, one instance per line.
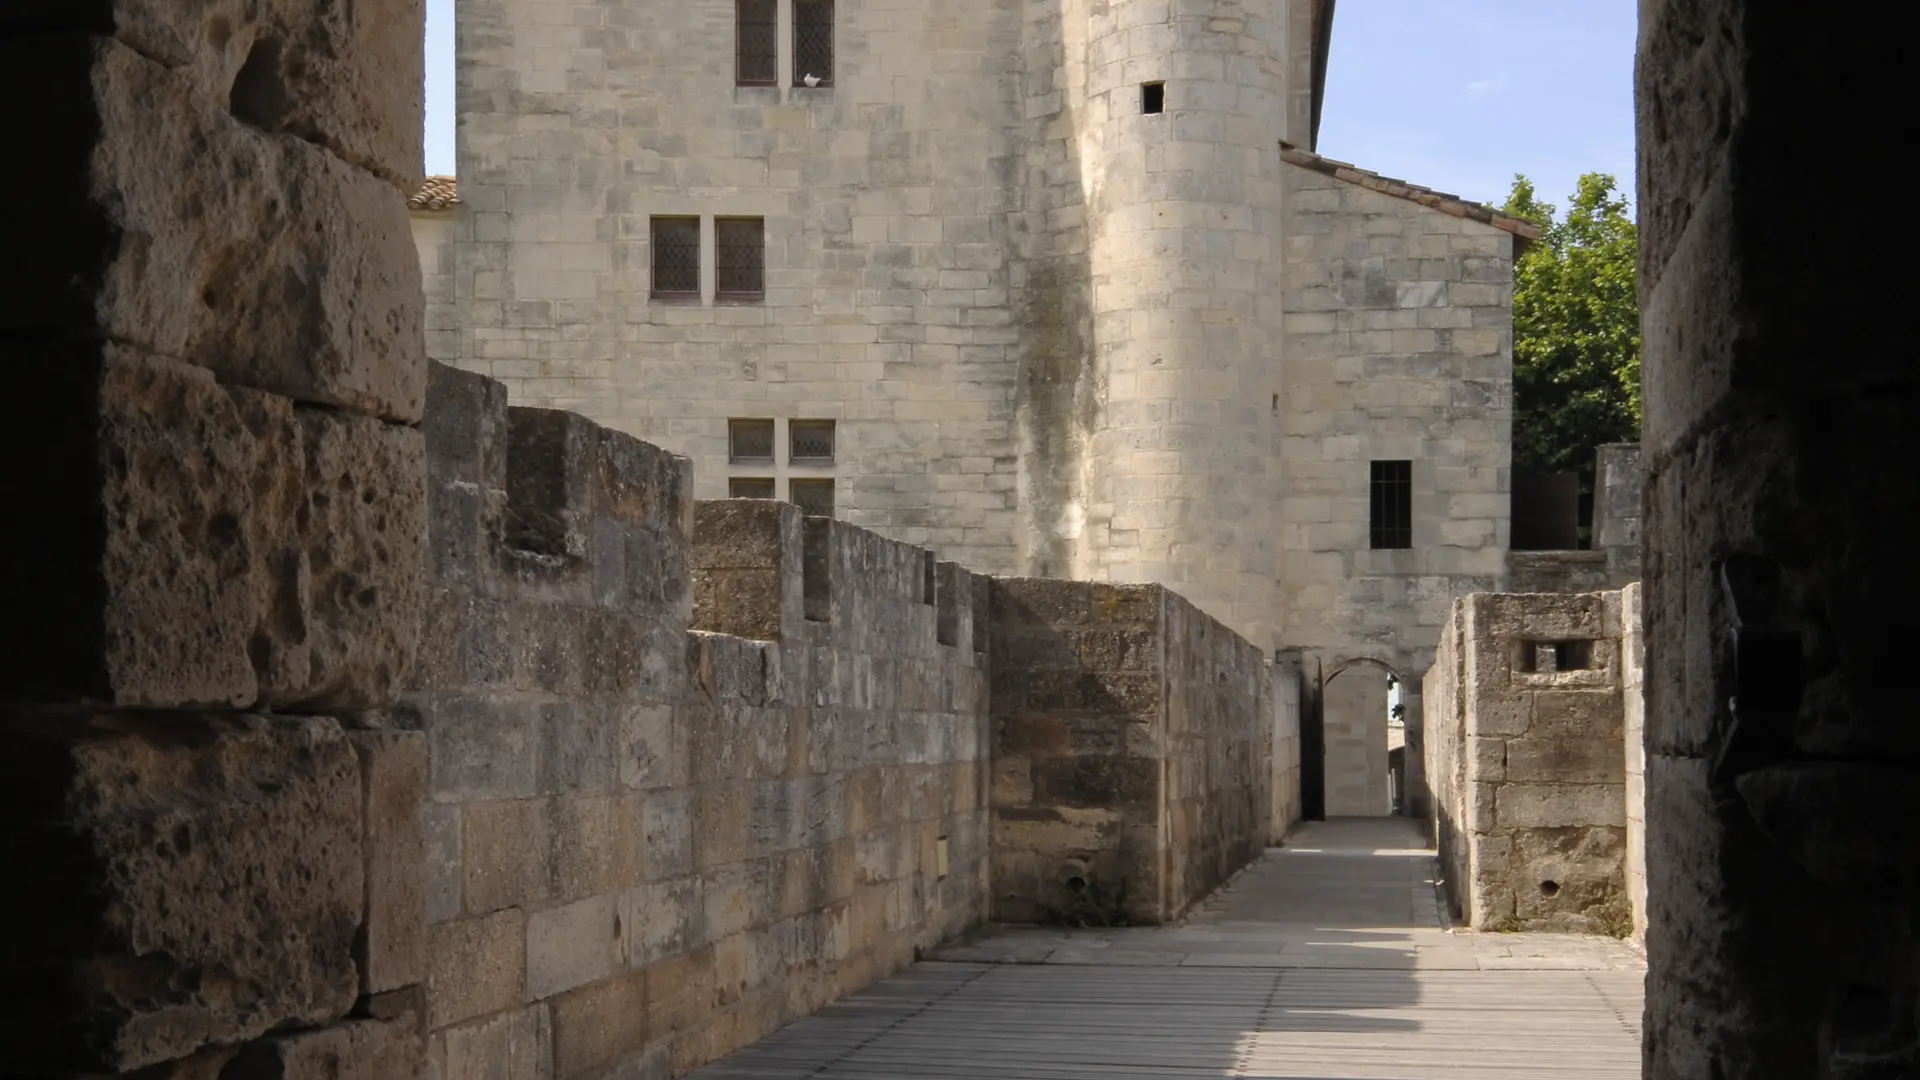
column 817, row 482
column 741, row 9
column 722, row 294
column 655, row 249
column 734, row 484
column 795, row 427
column 800, row 70
column 1390, row 505
column 740, row 423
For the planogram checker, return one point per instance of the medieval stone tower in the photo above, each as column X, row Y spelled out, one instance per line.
column 1056, row 287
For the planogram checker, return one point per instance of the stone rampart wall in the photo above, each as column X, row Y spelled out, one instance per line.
column 210, row 582
column 1530, row 768
column 649, row 844
column 1130, row 752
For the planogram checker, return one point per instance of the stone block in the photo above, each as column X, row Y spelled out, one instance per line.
column 514, row 1045
column 661, row 919
column 208, row 545
column 356, row 1050
column 1566, row 760
column 168, row 223
column 224, row 856
column 1486, row 759
column 391, row 948
column 334, row 77
column 507, row 853
column 596, row 1028
column 1552, row 806
column 361, row 525
column 574, row 944
column 477, row 966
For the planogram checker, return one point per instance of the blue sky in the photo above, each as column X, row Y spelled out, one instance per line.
column 1453, row 94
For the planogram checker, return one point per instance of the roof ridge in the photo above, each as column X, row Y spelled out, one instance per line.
column 1442, row 201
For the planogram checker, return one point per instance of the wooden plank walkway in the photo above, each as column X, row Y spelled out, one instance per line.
column 1325, row 961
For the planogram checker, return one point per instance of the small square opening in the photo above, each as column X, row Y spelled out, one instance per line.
column 1153, row 97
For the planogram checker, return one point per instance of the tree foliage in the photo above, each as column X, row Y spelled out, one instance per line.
column 1576, row 328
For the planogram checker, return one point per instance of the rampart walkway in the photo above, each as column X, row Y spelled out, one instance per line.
column 1325, row 960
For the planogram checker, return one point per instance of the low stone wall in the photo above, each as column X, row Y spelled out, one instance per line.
column 1286, row 804
column 649, row 844
column 1526, row 745
column 1131, row 746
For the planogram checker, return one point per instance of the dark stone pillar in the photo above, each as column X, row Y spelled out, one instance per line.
column 1781, row 438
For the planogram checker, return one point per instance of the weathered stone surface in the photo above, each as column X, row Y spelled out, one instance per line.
column 336, row 77
column 1552, row 806
column 509, row 1046
column 392, row 947
column 478, row 966
column 233, row 548
column 225, row 861
column 168, row 224
column 361, row 521
column 355, row 1050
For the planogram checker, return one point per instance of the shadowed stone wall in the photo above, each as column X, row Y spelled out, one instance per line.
column 211, row 574
column 1131, row 746
column 1529, row 760
column 651, row 845
column 1782, row 425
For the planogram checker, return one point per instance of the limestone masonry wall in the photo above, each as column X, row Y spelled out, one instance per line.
column 211, row 572
column 1398, row 348
column 649, row 845
column 1527, row 752
column 1131, row 743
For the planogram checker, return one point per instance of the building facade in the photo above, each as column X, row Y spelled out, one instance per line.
column 1055, row 287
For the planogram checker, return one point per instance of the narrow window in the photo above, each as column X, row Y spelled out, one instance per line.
column 676, row 258
column 1153, row 97
column 813, row 42
column 1392, row 504
column 750, row 487
column 810, row 441
column 756, row 42
column 814, row 497
column 750, row 442
column 740, row 258
column 1541, row 657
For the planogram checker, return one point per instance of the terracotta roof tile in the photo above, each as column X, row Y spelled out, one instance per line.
column 1525, row 232
column 437, row 193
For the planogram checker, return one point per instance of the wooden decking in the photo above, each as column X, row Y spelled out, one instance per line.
column 1325, row 961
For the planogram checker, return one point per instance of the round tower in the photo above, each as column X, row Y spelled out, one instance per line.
column 1185, row 107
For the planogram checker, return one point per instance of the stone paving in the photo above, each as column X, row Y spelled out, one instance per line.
column 1326, row 959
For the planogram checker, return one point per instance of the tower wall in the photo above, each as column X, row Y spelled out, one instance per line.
column 1184, row 221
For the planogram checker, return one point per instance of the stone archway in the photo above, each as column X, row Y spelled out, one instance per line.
column 1355, row 696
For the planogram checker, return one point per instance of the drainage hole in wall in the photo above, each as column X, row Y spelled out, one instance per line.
column 1549, row 888
column 1076, row 883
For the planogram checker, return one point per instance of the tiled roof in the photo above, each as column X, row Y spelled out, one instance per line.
column 1525, row 231
column 437, row 193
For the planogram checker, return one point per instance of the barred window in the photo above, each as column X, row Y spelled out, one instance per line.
column 756, row 43
column 1392, row 504
column 676, row 257
column 813, row 42
column 750, row 487
column 740, row 258
column 810, row 441
column 814, row 497
column 750, row 441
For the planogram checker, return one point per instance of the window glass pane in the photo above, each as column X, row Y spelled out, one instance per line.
column 676, row 256
column 813, row 496
column 750, row 487
column 740, row 256
column 810, row 440
column 750, row 440
column 812, row 41
column 757, row 43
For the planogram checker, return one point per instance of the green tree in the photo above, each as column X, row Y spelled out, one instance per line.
column 1576, row 328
